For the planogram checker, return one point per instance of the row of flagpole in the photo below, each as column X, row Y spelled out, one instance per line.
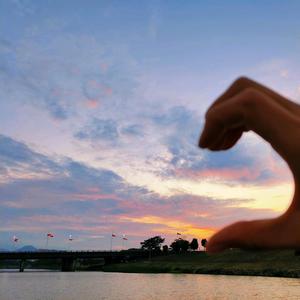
column 113, row 235
column 50, row 235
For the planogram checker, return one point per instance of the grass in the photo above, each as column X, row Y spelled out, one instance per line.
column 232, row 262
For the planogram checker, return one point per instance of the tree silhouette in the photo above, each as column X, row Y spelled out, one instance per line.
column 203, row 243
column 180, row 245
column 165, row 249
column 152, row 244
column 194, row 244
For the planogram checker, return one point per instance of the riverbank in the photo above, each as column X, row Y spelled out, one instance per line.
column 232, row 262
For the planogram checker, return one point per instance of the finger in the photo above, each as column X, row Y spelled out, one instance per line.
column 227, row 139
column 260, row 234
column 243, row 83
column 248, row 235
column 255, row 111
column 229, row 237
column 221, row 120
column 211, row 129
column 231, row 138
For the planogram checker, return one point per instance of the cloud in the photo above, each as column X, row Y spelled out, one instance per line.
column 19, row 161
column 105, row 130
column 62, row 72
column 133, row 130
column 109, row 131
column 85, row 200
column 181, row 128
column 249, row 161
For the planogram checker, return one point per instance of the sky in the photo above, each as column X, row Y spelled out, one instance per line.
column 101, row 107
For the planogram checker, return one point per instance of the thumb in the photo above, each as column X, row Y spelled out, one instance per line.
column 233, row 236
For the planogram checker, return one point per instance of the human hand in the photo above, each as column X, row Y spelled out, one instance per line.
column 248, row 105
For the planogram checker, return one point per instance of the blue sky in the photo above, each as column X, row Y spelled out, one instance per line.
column 101, row 106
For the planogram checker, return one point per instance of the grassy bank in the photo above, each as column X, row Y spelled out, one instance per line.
column 233, row 262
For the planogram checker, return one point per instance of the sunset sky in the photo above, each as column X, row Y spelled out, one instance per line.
column 102, row 105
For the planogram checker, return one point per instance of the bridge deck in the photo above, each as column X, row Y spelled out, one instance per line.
column 71, row 254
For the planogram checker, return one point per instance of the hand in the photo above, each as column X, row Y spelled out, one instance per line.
column 247, row 105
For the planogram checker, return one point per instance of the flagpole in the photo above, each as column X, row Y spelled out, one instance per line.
column 111, row 236
column 47, row 242
column 70, row 239
column 15, row 240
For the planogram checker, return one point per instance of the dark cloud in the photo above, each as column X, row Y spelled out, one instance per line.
column 14, row 154
column 52, row 181
column 98, row 129
column 108, row 130
column 133, row 130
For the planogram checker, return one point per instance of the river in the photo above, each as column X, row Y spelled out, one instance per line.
column 115, row 286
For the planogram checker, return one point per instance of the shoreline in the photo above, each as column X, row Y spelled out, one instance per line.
column 235, row 262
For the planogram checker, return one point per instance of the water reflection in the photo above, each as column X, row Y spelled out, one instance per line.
column 113, row 286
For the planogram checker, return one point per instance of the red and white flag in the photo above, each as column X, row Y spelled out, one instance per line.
column 50, row 235
column 15, row 239
column 113, row 235
column 124, row 237
column 70, row 237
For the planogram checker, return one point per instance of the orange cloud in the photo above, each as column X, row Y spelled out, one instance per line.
column 174, row 226
column 225, row 173
column 108, row 90
column 279, row 170
column 92, row 103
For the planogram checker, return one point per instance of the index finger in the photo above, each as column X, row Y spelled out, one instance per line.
column 243, row 83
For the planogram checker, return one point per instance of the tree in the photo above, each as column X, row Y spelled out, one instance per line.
column 180, row 245
column 184, row 245
column 152, row 244
column 203, row 243
column 176, row 246
column 194, row 244
column 165, row 249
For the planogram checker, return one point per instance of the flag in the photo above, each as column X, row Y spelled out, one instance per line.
column 15, row 239
column 70, row 237
column 113, row 235
column 124, row 237
column 50, row 235
column 178, row 233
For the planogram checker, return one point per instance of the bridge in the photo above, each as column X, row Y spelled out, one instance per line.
column 69, row 258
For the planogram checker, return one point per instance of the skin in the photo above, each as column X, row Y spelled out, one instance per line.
column 247, row 105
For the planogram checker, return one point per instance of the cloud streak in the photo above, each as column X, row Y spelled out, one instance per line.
column 88, row 201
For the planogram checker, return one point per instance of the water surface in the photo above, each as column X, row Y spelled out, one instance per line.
column 113, row 286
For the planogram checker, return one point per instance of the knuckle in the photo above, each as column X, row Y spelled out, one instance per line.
column 242, row 81
column 250, row 92
column 214, row 116
column 210, row 113
column 249, row 97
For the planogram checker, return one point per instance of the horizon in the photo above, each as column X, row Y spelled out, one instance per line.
column 102, row 107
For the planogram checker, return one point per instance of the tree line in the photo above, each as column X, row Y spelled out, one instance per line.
column 179, row 245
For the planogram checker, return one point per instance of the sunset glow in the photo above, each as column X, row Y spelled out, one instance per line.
column 101, row 110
